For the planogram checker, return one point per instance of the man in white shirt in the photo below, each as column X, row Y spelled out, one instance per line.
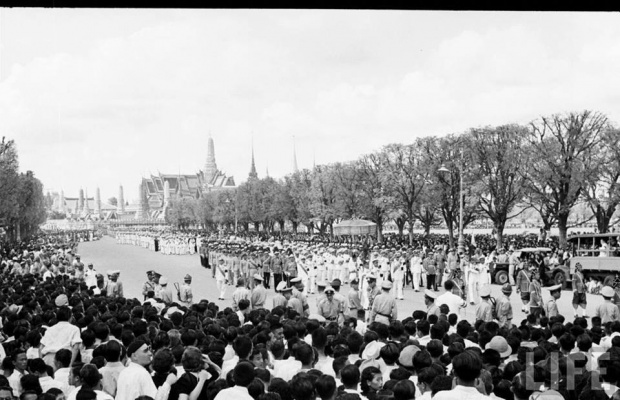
column 20, row 362
column 62, row 335
column 243, row 375
column 113, row 367
column 455, row 303
column 466, row 367
column 135, row 380
column 39, row 368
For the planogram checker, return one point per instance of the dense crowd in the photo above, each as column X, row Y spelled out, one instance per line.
column 68, row 337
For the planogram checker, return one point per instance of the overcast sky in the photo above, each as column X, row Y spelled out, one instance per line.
column 99, row 98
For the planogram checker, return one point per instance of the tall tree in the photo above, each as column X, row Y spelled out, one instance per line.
column 561, row 150
column 9, row 185
column 378, row 202
column 300, row 184
column 602, row 191
column 448, row 190
column 405, row 175
column 498, row 170
column 323, row 197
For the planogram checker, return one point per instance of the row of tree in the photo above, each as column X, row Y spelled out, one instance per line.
column 22, row 203
column 548, row 165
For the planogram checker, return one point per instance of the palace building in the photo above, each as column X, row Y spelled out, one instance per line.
column 156, row 191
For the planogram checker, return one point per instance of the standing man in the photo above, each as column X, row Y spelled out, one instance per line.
column 384, row 308
column 484, row 310
column 416, row 270
column 512, row 264
column 504, row 308
column 166, row 292
column 355, row 300
column 279, row 300
column 536, row 303
column 608, row 311
column 551, row 308
column 240, row 293
column 277, row 267
column 398, row 275
column 373, row 290
column 115, row 287
column 329, row 307
column 259, row 293
column 220, row 273
column 185, row 292
column 298, row 292
column 579, row 294
column 429, row 301
column 265, row 263
column 440, row 261
column 523, row 287
column 430, row 269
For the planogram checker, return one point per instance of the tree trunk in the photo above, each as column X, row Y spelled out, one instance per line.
column 562, row 227
column 411, row 233
column 400, row 223
column 380, row 231
column 257, row 227
column 499, row 234
column 603, row 217
column 450, row 235
column 295, row 223
column 281, row 223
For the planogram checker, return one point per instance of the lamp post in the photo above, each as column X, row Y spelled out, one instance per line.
column 461, row 240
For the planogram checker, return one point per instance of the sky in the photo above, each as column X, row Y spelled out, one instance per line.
column 101, row 97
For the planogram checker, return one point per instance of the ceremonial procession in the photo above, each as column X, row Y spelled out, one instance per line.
column 405, row 205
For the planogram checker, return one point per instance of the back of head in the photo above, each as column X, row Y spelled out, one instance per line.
column 325, row 386
column 467, row 366
column 404, row 390
column 243, row 346
column 90, row 376
column 350, row 375
column 302, row 387
column 112, row 351
column 244, row 373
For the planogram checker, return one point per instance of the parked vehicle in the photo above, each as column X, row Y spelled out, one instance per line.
column 599, row 256
column 557, row 274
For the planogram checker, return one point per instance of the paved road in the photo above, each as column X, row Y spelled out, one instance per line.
column 133, row 262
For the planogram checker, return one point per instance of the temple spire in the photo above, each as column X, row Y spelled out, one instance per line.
column 295, row 169
column 253, row 174
column 210, row 166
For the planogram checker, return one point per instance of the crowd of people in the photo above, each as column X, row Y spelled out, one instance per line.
column 68, row 336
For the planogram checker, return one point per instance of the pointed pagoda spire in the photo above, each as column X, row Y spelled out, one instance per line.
column 210, row 166
column 295, row 169
column 267, row 170
column 253, row 174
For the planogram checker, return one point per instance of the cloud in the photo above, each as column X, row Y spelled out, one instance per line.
column 140, row 93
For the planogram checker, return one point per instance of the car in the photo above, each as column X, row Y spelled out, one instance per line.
column 501, row 270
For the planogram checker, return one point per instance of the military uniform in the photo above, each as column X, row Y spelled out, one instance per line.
column 384, row 308
column 330, row 309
